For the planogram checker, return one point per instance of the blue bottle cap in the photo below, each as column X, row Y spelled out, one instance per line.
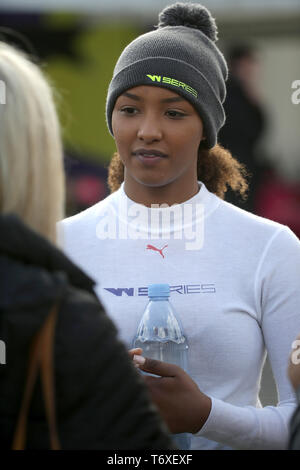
column 159, row 290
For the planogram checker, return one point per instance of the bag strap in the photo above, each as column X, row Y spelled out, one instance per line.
column 41, row 356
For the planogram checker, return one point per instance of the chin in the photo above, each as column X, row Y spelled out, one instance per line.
column 152, row 182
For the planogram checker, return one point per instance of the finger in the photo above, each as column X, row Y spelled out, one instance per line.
column 138, row 360
column 164, row 369
column 135, row 351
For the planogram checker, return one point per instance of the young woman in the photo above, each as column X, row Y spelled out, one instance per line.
column 233, row 276
column 101, row 402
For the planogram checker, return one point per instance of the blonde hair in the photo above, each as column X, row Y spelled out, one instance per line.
column 31, row 164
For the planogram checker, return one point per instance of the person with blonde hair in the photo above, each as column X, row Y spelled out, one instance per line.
column 100, row 400
column 31, row 164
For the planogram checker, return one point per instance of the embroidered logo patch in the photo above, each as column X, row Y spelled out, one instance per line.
column 172, row 81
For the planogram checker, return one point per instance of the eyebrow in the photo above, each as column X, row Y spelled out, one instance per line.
column 174, row 99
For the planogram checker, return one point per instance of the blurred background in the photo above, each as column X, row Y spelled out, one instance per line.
column 77, row 44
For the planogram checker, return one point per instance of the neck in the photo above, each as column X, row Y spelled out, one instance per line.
column 167, row 194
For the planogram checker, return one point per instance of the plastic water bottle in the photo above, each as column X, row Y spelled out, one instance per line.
column 161, row 337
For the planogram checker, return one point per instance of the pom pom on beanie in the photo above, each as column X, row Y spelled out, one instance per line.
column 191, row 15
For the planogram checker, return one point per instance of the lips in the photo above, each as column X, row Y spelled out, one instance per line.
column 149, row 156
column 149, row 153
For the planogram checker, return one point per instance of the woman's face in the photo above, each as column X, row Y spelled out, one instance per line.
column 157, row 134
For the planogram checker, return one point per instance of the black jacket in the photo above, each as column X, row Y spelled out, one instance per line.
column 101, row 400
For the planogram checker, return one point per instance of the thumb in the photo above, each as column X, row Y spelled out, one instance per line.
column 153, row 366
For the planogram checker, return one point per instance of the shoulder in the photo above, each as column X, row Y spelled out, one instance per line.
column 243, row 221
column 27, row 286
column 251, row 235
column 79, row 227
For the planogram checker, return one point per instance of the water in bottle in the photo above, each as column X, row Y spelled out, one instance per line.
column 160, row 335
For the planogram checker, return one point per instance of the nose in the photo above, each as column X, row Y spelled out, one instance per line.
column 149, row 129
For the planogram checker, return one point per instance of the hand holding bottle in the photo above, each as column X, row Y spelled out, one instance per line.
column 181, row 403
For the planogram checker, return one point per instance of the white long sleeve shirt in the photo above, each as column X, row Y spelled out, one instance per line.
column 235, row 284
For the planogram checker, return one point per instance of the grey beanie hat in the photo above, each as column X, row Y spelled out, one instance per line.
column 180, row 55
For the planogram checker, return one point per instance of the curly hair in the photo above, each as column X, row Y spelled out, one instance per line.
column 216, row 168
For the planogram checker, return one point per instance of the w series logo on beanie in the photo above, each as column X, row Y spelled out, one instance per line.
column 172, row 81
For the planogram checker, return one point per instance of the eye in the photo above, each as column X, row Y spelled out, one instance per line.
column 129, row 110
column 174, row 114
